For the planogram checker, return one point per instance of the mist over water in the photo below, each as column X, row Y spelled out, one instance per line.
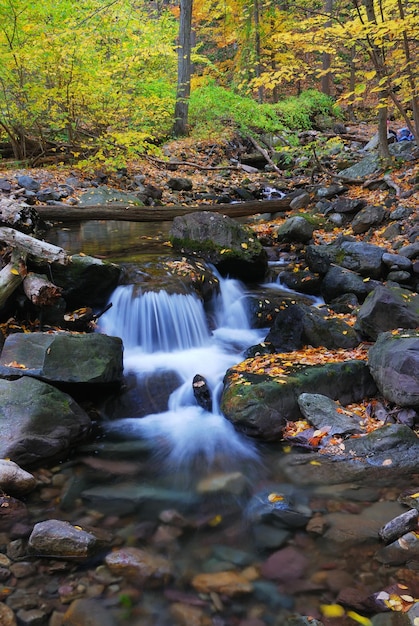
column 165, row 332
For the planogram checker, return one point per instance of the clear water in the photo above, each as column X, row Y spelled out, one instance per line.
column 177, row 447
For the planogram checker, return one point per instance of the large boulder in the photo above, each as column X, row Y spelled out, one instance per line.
column 38, row 422
column 85, row 281
column 364, row 258
column 298, row 325
column 233, row 248
column 339, row 281
column 260, row 404
column 387, row 308
column 63, row 357
column 394, row 364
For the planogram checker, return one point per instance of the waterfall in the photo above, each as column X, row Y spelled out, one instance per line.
column 165, row 332
column 157, row 321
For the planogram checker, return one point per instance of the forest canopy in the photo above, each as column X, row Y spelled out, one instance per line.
column 98, row 79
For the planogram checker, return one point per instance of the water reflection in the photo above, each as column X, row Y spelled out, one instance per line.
column 116, row 241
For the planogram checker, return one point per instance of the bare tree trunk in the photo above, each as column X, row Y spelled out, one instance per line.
column 326, row 76
column 180, row 127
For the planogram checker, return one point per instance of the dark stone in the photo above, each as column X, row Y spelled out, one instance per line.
column 339, row 281
column 180, row 184
column 298, row 325
column 387, row 308
column 368, row 217
column 260, row 405
column 63, row 357
column 202, row 392
column 394, row 364
column 38, row 422
column 234, row 249
column 27, row 182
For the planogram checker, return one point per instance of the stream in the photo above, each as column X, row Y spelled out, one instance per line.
column 192, row 463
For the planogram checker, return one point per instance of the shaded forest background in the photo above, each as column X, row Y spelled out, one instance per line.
column 101, row 82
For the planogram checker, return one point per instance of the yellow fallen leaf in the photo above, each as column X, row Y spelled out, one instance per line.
column 15, row 271
column 244, row 246
column 275, row 497
column 359, row 618
column 332, row 610
column 315, row 463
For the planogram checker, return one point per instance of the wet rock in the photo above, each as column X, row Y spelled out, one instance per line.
column 261, row 407
column 185, row 615
column 234, row 249
column 7, row 616
column 386, row 308
column 87, row 612
column 11, row 511
column 63, row 357
column 385, row 453
column 347, row 205
column 129, row 496
column 285, row 565
column 59, row 539
column 229, row 583
column 33, row 617
column 345, row 531
column 394, row 362
column 403, row 550
column 399, row 526
column 302, row 281
column 234, row 482
column 299, row 325
column 14, row 480
column 202, row 392
column 140, row 566
column 85, row 281
column 37, row 421
column 323, row 412
column 280, row 506
column 267, row 537
column 397, row 261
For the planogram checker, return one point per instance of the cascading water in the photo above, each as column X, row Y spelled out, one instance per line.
column 169, row 333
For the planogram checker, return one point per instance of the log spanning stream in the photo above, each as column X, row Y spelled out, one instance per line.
column 193, row 464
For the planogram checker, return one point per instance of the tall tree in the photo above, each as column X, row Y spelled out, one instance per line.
column 183, row 91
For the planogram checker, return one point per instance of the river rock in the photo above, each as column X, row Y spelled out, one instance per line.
column 229, row 583
column 295, row 229
column 87, row 612
column 323, row 412
column 7, row 616
column 394, row 364
column 60, row 539
column 85, row 281
column 63, row 357
column 386, row 453
column 357, row 256
column 386, row 308
column 367, row 166
column 37, row 421
column 368, row 217
column 260, row 405
column 11, row 512
column 141, row 567
column 107, row 195
column 281, row 506
column 287, row 564
column 339, row 281
column 233, row 248
column 14, row 480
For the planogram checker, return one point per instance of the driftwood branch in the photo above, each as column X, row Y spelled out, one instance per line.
column 196, row 166
column 265, row 155
column 130, row 213
column 12, row 275
column 39, row 250
column 39, row 290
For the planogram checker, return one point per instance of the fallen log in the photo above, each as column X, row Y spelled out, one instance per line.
column 130, row 213
column 39, row 290
column 39, row 250
column 12, row 275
